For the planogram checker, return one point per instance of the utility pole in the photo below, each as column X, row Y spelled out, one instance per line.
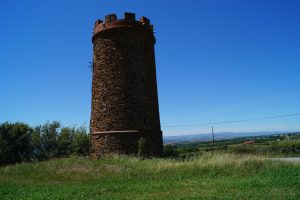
column 213, row 135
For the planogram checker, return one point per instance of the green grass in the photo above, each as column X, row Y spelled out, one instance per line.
column 285, row 148
column 211, row 176
column 284, row 145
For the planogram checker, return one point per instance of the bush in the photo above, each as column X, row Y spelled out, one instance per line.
column 142, row 147
column 64, row 141
column 81, row 142
column 14, row 143
column 170, row 151
column 19, row 142
column 49, row 135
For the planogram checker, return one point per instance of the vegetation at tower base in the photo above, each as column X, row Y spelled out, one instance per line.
column 142, row 150
column 210, row 176
column 124, row 88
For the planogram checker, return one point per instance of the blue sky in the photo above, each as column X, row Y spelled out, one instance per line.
column 217, row 60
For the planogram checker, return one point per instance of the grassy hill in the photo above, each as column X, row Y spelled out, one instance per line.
column 210, row 176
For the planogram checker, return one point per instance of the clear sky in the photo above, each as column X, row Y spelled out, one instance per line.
column 217, row 60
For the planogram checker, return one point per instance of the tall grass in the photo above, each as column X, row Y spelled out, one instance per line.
column 77, row 168
column 211, row 175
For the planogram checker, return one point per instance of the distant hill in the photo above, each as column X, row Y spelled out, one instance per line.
column 218, row 136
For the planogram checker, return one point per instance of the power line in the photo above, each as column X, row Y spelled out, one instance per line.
column 235, row 121
column 227, row 122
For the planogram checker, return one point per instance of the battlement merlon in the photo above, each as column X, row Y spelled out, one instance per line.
column 111, row 22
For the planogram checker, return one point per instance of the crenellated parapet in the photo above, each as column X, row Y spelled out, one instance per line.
column 129, row 21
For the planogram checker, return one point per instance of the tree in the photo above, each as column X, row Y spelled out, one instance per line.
column 81, row 141
column 49, row 134
column 64, row 141
column 36, row 144
column 14, row 143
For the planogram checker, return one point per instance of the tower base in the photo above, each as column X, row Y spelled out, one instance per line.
column 131, row 142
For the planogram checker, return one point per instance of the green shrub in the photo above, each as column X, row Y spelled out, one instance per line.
column 19, row 142
column 14, row 143
column 170, row 151
column 64, row 141
column 142, row 151
column 81, row 142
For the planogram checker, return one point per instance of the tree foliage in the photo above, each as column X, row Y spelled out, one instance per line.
column 14, row 142
column 19, row 142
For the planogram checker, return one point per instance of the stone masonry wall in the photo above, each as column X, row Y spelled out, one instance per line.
column 124, row 88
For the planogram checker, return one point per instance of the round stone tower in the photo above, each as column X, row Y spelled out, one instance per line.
column 125, row 114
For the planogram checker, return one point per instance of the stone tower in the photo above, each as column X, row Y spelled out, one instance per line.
column 125, row 114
